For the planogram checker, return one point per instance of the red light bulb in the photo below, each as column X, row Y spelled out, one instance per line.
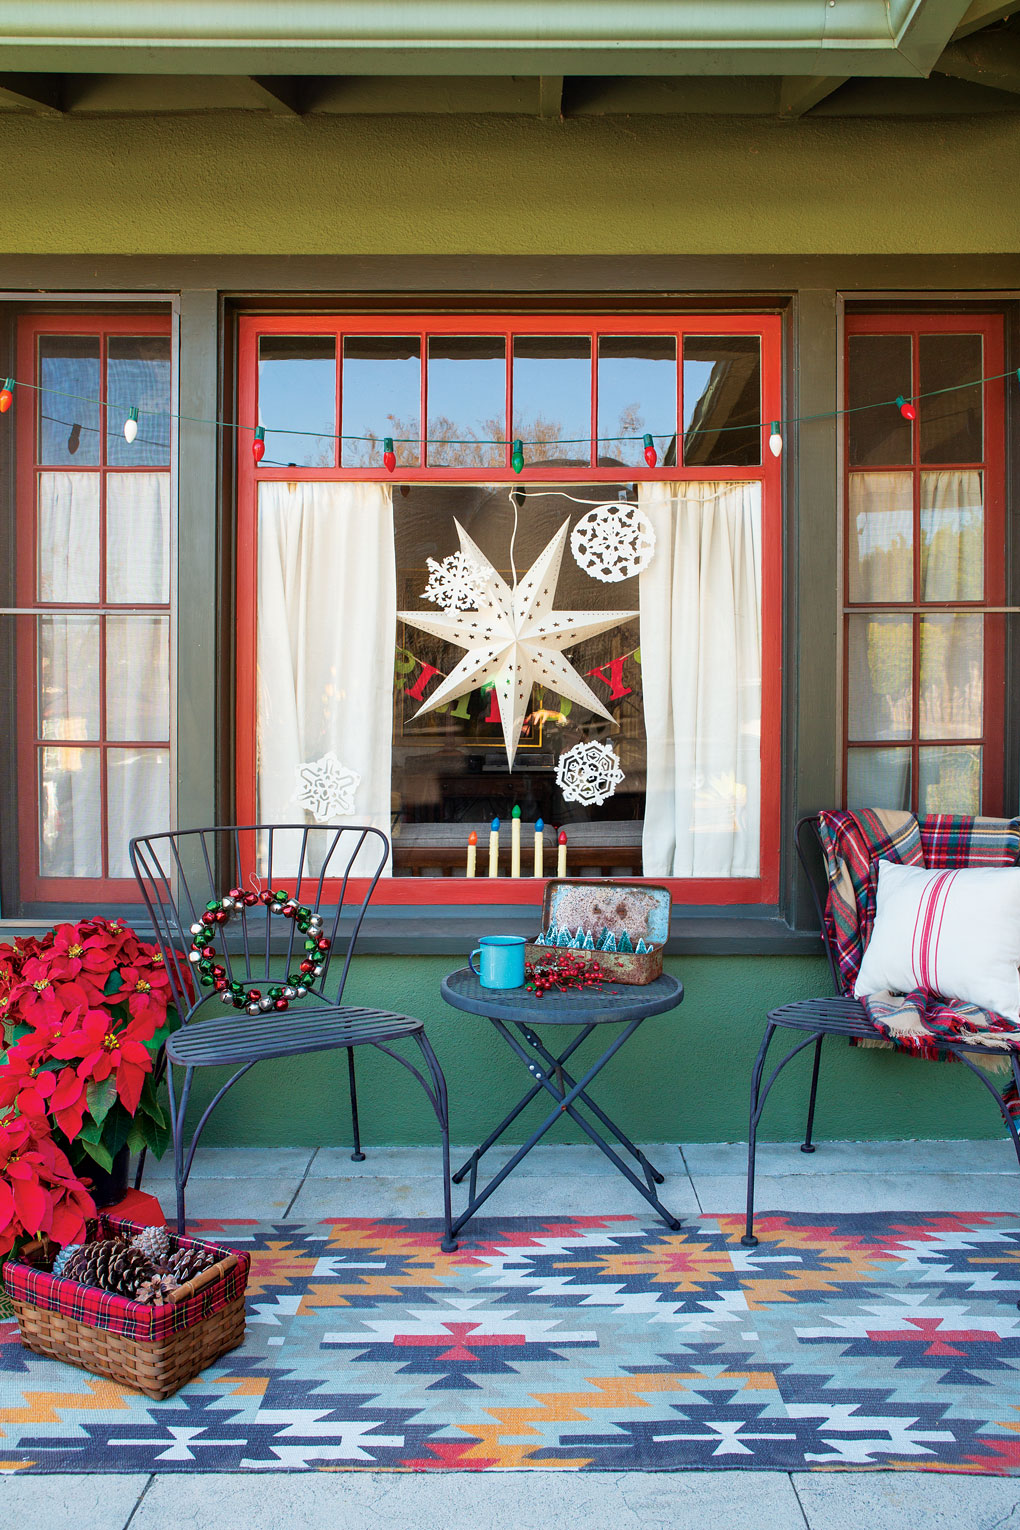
column 651, row 455
column 389, row 456
column 7, row 395
column 258, row 446
column 906, row 408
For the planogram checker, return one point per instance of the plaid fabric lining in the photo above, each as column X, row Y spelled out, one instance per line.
column 119, row 1314
column 853, row 844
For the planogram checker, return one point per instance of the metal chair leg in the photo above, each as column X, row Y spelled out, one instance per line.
column 357, row 1156
column 177, row 1127
column 807, row 1146
column 749, row 1240
column 441, row 1105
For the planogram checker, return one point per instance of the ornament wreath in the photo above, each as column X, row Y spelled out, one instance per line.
column 219, row 911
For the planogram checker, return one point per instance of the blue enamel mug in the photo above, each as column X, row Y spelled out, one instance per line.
column 500, row 961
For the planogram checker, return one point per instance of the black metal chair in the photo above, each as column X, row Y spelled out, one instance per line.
column 840, row 1016
column 197, row 892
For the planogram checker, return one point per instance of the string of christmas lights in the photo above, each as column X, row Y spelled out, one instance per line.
column 907, row 407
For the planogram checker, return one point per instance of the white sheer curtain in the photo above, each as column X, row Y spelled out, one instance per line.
column 327, row 606
column 701, row 674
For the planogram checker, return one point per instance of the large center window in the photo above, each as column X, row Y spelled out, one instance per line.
column 515, row 568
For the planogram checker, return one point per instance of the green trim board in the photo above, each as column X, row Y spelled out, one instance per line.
column 683, row 1077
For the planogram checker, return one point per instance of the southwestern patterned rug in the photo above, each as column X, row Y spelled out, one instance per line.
column 865, row 1341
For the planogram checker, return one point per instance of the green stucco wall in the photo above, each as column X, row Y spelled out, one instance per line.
column 246, row 183
column 683, row 1077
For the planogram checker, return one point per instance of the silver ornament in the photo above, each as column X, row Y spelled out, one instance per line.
column 266, row 1003
column 299, row 993
column 290, row 993
column 318, row 971
column 194, row 956
column 196, row 929
column 226, row 903
column 226, row 997
column 253, row 1009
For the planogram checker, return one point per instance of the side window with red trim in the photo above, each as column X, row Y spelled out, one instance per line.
column 94, row 577
column 925, row 558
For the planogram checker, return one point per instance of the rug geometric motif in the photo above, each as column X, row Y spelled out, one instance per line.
column 587, row 1343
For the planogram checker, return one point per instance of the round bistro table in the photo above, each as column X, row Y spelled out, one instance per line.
column 514, row 1013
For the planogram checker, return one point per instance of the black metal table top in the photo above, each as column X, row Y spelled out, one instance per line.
column 576, row 1006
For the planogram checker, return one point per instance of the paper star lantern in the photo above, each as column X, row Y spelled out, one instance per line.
column 515, row 639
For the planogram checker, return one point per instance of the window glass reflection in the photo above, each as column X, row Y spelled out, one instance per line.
column 879, row 370
column 722, row 400
column 68, row 403
column 381, row 397
column 138, row 375
column 952, row 425
column 552, row 398
column 637, row 394
column 297, row 399
column 467, row 401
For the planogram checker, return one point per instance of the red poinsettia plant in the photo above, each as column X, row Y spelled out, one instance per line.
column 85, row 1011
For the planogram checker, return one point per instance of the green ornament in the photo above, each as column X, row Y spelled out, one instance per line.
column 276, row 992
column 212, row 908
column 295, row 979
column 517, row 457
column 311, row 944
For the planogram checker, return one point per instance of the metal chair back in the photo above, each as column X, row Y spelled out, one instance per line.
column 185, row 873
column 811, row 856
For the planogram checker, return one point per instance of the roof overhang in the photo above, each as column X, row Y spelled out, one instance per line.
column 480, row 37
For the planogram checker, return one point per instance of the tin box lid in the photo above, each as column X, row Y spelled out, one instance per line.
column 640, row 908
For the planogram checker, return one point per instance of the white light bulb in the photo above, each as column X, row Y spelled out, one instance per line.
column 131, row 426
column 775, row 440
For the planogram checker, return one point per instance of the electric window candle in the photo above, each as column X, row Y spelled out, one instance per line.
column 515, row 842
column 472, row 853
column 561, row 854
column 494, row 848
column 539, row 846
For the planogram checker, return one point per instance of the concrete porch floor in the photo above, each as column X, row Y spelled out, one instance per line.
column 303, row 1184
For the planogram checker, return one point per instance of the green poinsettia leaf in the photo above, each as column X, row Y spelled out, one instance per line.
column 136, row 1138
column 148, row 1103
column 157, row 1136
column 19, row 1030
column 91, row 1131
column 116, row 1128
column 98, row 1153
column 101, row 1097
column 114, row 983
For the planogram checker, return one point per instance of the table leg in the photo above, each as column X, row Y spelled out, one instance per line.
column 471, row 1164
column 565, row 1102
column 651, row 1173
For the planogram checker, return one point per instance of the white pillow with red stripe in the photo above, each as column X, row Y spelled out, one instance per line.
column 953, row 933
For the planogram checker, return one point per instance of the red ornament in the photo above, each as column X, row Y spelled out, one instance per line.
column 250, row 899
column 651, row 455
column 307, row 966
column 907, row 409
column 281, row 1004
column 258, row 446
column 389, row 456
column 7, row 395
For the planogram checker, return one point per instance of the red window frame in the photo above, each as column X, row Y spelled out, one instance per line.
column 34, row 887
column 993, row 468
column 527, row 890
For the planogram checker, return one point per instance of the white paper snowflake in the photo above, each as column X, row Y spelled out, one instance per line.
column 588, row 773
column 326, row 788
column 455, row 584
column 613, row 542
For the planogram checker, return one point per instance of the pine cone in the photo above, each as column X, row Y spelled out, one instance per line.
column 61, row 1261
column 154, row 1243
column 189, row 1262
column 127, row 1270
column 90, row 1263
column 156, row 1290
column 111, row 1264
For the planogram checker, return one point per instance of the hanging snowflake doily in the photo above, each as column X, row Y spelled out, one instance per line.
column 613, row 542
column 326, row 788
column 455, row 584
column 588, row 773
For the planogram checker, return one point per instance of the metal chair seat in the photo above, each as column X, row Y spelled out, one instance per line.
column 843, row 1016
column 254, row 1038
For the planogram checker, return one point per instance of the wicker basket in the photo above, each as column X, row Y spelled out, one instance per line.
column 152, row 1349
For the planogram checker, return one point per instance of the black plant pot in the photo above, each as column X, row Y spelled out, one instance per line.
column 110, row 1185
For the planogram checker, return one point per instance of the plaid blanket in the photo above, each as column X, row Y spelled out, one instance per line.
column 853, row 843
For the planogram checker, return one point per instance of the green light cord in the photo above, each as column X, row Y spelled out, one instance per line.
column 669, row 435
